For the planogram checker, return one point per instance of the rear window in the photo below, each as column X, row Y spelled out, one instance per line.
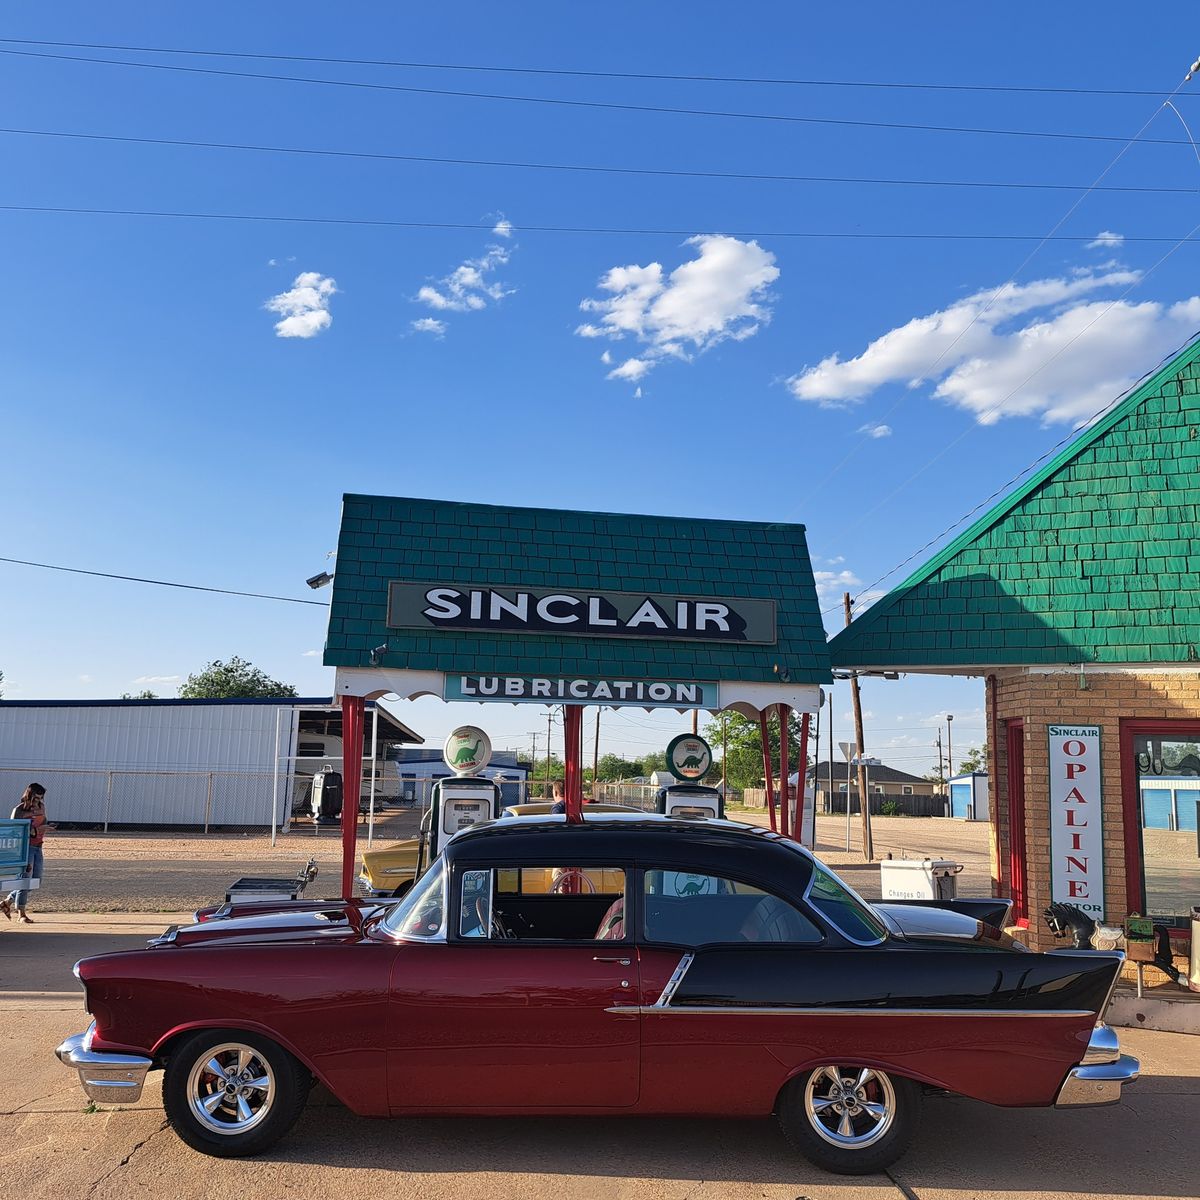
column 843, row 908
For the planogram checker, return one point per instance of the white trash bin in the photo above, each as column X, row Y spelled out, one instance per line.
column 1194, row 957
column 919, row 878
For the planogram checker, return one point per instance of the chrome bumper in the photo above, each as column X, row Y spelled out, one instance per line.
column 1101, row 1075
column 106, row 1078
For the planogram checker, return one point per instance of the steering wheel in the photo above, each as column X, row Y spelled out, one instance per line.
column 495, row 927
column 573, row 876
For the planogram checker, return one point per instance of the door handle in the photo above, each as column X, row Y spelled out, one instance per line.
column 601, row 958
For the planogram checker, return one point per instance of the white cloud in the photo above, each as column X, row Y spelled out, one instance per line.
column 637, row 393
column 1041, row 349
column 606, row 357
column 876, row 431
column 503, row 228
column 468, row 287
column 311, row 654
column 831, row 585
column 85, row 678
column 1106, row 240
column 719, row 295
column 429, row 325
column 148, row 679
column 305, row 308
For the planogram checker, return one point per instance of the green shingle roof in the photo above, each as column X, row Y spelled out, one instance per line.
column 388, row 538
column 1094, row 559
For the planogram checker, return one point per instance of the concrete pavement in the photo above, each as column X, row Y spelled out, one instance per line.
column 53, row 1148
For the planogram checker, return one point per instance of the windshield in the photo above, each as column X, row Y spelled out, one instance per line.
column 845, row 910
column 422, row 913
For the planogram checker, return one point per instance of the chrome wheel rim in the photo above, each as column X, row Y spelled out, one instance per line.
column 849, row 1107
column 231, row 1088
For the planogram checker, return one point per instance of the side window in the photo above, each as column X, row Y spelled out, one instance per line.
column 543, row 903
column 692, row 909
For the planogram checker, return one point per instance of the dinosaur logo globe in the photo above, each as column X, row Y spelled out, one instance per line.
column 689, row 757
column 467, row 750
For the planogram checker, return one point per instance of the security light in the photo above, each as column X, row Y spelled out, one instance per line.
column 319, row 581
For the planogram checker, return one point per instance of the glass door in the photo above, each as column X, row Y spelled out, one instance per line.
column 1167, row 770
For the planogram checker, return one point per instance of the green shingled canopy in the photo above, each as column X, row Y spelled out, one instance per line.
column 385, row 539
column 1093, row 560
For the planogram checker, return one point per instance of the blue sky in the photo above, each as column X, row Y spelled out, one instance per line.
column 158, row 425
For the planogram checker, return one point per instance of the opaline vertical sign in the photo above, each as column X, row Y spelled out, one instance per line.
column 1076, row 818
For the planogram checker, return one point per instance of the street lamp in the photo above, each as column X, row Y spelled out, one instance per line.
column 949, row 746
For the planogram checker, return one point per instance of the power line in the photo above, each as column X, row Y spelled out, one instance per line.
column 580, row 74
column 487, row 227
column 589, row 168
column 191, row 587
column 607, row 105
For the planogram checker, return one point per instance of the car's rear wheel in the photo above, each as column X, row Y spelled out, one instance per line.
column 231, row 1094
column 850, row 1120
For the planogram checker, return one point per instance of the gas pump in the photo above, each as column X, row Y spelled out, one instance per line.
column 466, row 798
column 689, row 757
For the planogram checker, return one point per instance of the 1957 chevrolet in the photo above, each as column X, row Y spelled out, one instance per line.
column 629, row 964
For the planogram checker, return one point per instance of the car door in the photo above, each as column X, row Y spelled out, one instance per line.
column 544, row 1020
column 719, row 1055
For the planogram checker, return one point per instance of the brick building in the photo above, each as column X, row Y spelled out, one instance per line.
column 1077, row 599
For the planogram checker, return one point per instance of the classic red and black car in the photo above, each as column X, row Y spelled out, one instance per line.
column 639, row 965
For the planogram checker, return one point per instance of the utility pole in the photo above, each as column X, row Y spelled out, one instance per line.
column 549, row 718
column 695, row 721
column 868, row 848
column 596, row 759
column 941, row 773
column 949, row 745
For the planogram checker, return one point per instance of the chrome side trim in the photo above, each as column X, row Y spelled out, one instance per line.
column 1100, row 1083
column 106, row 1078
column 765, row 1011
column 1103, row 1046
column 673, row 983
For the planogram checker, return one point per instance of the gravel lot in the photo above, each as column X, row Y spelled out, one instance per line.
column 173, row 872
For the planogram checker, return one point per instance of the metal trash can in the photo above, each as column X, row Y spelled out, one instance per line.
column 326, row 797
column 919, row 878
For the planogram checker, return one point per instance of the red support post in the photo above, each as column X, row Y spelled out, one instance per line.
column 802, row 783
column 352, row 752
column 573, row 748
column 768, row 781
column 785, row 785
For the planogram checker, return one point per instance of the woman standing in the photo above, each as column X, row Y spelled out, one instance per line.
column 31, row 809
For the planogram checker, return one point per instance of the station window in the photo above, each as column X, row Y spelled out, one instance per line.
column 906, row 789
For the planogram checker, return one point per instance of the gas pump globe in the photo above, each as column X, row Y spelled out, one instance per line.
column 466, row 798
column 689, row 757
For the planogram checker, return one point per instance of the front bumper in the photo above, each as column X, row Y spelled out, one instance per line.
column 106, row 1078
column 1101, row 1075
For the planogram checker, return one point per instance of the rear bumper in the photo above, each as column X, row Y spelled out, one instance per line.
column 1101, row 1075
column 106, row 1078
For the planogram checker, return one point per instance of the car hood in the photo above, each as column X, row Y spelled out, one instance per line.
column 333, row 921
column 942, row 925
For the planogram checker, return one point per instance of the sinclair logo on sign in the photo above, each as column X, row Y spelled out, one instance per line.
column 689, row 757
column 484, row 608
column 467, row 750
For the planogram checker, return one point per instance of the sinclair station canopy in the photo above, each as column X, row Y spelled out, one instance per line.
column 545, row 606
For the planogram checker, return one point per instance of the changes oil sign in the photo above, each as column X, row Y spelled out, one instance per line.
column 1076, row 819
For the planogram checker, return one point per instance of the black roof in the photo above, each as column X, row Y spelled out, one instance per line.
column 881, row 774
column 612, row 839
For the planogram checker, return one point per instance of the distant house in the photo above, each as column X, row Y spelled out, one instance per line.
column 917, row 796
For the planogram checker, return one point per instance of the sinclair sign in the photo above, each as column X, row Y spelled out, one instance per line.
column 481, row 608
column 1076, row 819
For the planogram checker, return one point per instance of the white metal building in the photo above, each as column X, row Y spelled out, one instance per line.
column 180, row 762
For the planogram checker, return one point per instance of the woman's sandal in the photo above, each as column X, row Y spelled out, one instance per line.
column 27, row 920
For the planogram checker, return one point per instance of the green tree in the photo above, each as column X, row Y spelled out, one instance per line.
column 145, row 694
column 235, row 679
column 975, row 759
column 613, row 766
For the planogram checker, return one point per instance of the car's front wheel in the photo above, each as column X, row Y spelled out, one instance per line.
column 231, row 1094
column 850, row 1120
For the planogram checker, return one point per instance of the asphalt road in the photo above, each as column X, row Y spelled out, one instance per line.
column 54, row 1148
